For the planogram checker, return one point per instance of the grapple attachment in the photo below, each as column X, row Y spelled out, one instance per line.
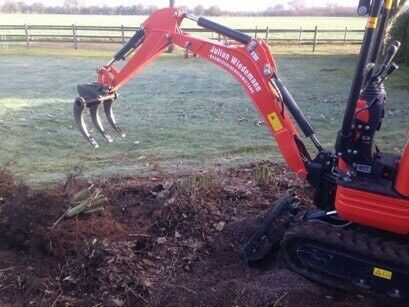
column 92, row 96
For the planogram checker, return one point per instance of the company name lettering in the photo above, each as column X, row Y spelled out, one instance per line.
column 238, row 68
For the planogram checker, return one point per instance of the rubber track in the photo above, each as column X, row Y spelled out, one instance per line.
column 381, row 248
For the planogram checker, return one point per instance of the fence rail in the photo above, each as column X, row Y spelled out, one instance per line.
column 77, row 34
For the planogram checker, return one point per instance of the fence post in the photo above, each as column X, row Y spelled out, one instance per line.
column 255, row 32
column 27, row 36
column 74, row 36
column 123, row 34
column 315, row 39
column 300, row 37
column 345, row 35
column 267, row 36
column 4, row 40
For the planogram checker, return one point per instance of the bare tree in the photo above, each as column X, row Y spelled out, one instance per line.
column 72, row 5
column 214, row 10
column 279, row 7
column 37, row 7
column 199, row 10
column 9, row 7
column 297, row 5
column 22, row 7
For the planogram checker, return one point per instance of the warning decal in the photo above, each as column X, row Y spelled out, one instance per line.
column 275, row 122
column 382, row 273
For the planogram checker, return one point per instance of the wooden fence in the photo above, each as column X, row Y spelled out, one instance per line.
column 75, row 34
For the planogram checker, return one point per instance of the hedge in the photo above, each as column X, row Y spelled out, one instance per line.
column 400, row 31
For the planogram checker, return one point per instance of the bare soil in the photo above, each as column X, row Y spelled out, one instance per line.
column 168, row 241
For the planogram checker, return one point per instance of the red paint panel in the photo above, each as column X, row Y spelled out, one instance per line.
column 374, row 210
column 402, row 181
column 362, row 113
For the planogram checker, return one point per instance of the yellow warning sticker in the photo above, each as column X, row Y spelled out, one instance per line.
column 275, row 122
column 388, row 4
column 385, row 274
column 372, row 22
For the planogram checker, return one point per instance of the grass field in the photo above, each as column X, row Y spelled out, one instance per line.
column 178, row 114
column 308, row 23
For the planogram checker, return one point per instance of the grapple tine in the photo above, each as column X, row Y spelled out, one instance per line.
column 79, row 106
column 111, row 118
column 98, row 124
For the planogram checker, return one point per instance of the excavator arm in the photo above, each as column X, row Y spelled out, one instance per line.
column 249, row 62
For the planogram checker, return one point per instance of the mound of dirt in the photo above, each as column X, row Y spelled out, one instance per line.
column 159, row 241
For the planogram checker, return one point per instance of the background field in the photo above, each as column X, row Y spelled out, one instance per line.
column 179, row 114
column 292, row 23
column 235, row 22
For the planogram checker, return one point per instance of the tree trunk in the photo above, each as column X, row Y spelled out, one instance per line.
column 171, row 47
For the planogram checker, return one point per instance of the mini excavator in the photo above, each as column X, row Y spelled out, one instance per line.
column 356, row 237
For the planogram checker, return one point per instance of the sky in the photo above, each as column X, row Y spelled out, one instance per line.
column 231, row 5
